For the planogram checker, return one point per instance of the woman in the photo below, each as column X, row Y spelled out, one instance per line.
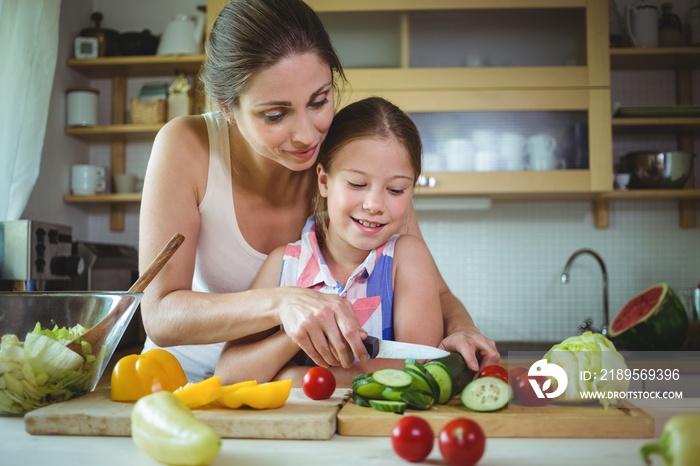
column 272, row 71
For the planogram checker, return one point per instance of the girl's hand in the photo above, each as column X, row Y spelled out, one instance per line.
column 470, row 343
column 323, row 325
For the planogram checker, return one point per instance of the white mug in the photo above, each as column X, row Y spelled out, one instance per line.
column 542, row 151
column 459, row 155
column 512, row 151
column 643, row 25
column 87, row 179
column 124, row 183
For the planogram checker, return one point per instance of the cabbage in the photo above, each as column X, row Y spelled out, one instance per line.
column 42, row 370
column 594, row 353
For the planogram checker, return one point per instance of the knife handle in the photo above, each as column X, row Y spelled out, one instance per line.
column 371, row 345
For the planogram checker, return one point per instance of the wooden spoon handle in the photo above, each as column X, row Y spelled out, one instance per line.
column 157, row 264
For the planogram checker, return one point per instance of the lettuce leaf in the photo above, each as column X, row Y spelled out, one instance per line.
column 41, row 370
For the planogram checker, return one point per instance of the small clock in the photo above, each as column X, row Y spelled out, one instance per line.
column 86, row 47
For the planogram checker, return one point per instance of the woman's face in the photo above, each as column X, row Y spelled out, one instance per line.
column 369, row 190
column 285, row 114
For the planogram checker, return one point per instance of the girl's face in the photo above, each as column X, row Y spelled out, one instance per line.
column 369, row 190
column 285, row 114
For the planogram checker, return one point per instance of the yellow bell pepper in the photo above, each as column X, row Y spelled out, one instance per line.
column 269, row 395
column 198, row 394
column 137, row 375
column 225, row 392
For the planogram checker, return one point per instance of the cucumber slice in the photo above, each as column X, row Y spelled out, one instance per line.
column 393, row 378
column 418, row 371
column 486, row 394
column 398, row 407
column 443, row 379
column 420, row 382
column 360, row 400
column 393, row 394
column 418, row 400
column 368, row 388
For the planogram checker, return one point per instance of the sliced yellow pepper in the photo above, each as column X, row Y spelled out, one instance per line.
column 137, row 375
column 201, row 393
column 225, row 392
column 269, row 395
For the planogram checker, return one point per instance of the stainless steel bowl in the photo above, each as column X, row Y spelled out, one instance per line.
column 658, row 170
column 20, row 313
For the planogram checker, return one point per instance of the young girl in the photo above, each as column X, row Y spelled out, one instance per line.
column 353, row 246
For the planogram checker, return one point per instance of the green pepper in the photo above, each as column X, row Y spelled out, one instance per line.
column 164, row 427
column 679, row 444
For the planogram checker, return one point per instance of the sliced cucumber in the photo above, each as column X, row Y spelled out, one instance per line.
column 393, row 378
column 360, row 400
column 423, row 380
column 418, row 400
column 368, row 388
column 443, row 379
column 398, row 407
column 486, row 394
column 394, row 394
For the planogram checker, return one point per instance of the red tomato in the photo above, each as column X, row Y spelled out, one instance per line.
column 525, row 393
column 494, row 370
column 513, row 375
column 412, row 438
column 462, row 442
column 318, row 383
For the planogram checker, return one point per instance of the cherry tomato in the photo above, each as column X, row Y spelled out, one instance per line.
column 318, row 383
column 513, row 375
column 412, row 438
column 462, row 442
column 524, row 392
column 494, row 370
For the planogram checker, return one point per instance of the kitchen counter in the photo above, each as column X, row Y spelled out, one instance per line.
column 21, row 448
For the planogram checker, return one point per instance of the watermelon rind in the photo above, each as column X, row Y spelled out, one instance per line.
column 664, row 327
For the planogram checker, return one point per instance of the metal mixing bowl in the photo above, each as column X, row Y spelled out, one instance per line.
column 19, row 314
column 658, row 170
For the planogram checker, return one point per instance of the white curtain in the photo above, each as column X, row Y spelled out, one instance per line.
column 28, row 50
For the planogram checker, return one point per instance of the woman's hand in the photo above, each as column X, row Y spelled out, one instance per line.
column 469, row 342
column 323, row 325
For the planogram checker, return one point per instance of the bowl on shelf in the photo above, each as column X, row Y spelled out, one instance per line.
column 658, row 169
column 35, row 371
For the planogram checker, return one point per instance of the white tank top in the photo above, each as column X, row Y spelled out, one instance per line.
column 225, row 262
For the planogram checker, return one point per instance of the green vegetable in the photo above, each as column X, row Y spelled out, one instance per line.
column 451, row 374
column 590, row 352
column 398, row 407
column 486, row 394
column 164, row 428
column 41, row 370
column 678, row 444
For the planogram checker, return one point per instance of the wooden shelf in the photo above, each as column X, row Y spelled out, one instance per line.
column 136, row 66
column 667, row 58
column 639, row 125
column 125, row 198
column 108, row 133
column 331, row 6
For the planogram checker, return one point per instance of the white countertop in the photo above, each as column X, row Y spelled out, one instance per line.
column 20, row 448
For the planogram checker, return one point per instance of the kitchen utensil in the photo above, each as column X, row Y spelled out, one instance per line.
column 21, row 311
column 399, row 350
column 87, row 179
column 124, row 182
column 96, row 414
column 138, row 43
column 550, row 421
column 108, row 39
column 541, row 149
column 81, row 106
column 97, row 335
column 658, row 170
column 182, row 35
column 670, row 27
column 643, row 24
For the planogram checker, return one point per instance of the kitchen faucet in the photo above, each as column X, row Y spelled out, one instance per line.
column 587, row 324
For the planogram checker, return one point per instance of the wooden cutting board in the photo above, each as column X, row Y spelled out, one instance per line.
column 96, row 414
column 551, row 421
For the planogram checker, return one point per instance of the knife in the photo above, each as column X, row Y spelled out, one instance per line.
column 399, row 350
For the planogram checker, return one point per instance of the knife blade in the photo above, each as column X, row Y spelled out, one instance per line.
column 399, row 350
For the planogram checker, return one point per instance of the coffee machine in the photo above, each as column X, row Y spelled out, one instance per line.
column 34, row 254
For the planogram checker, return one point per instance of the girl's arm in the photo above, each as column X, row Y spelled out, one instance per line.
column 460, row 333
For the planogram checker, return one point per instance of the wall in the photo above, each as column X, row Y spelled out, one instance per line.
column 503, row 263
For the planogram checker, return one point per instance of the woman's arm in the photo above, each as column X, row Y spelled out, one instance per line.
column 461, row 334
column 173, row 314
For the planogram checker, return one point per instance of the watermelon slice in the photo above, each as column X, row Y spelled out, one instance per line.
column 654, row 320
